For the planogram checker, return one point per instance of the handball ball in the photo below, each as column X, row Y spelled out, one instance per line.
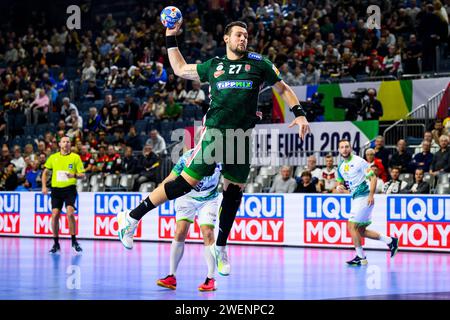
column 170, row 16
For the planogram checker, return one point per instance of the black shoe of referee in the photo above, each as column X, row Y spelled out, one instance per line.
column 55, row 249
column 76, row 247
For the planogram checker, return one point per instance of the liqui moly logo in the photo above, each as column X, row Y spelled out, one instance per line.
column 419, row 222
column 260, row 219
column 326, row 219
column 106, row 208
column 9, row 213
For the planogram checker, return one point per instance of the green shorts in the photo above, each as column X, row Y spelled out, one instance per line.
column 229, row 147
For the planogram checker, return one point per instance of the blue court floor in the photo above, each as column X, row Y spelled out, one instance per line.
column 107, row 271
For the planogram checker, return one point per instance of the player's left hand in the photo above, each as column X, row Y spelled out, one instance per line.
column 303, row 126
column 70, row 175
column 371, row 201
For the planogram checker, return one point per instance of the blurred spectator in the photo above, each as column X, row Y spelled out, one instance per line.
column 312, row 168
column 114, row 80
column 372, row 109
column 305, row 184
column 438, row 130
column 92, row 91
column 130, row 109
column 5, row 157
column 392, row 62
column 423, row 159
column 372, row 160
column 427, row 136
column 67, row 107
column 380, row 183
column 100, row 161
column 74, row 117
column 395, row 185
column 87, row 159
column 9, row 180
column 132, row 139
column 159, row 106
column 113, row 161
column 284, row 183
column 129, row 163
column 401, row 157
column 114, row 122
column 157, row 143
column 17, row 160
column 411, row 55
column 33, row 177
column 147, row 108
column 173, row 109
column 381, row 152
column 158, row 76
column 62, row 86
column 419, row 186
column 147, row 167
column 441, row 159
column 94, row 121
column 89, row 72
column 327, row 181
column 312, row 76
column 196, row 95
column 38, row 108
column 75, row 133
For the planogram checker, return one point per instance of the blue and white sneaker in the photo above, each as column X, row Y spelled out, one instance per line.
column 221, row 257
column 127, row 226
column 357, row 261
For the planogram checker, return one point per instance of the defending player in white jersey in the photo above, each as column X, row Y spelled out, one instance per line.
column 203, row 199
column 355, row 171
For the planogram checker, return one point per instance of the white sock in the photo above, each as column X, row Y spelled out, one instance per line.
column 360, row 252
column 176, row 253
column 385, row 239
column 210, row 261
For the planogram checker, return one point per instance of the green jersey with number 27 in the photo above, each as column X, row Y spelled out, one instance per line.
column 234, row 89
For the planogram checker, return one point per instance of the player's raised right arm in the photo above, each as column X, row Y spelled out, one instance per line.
column 179, row 65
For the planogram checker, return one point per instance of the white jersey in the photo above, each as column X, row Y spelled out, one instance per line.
column 355, row 171
column 206, row 189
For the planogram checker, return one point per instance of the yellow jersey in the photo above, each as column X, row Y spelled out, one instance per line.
column 61, row 165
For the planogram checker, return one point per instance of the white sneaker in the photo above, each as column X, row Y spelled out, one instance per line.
column 223, row 265
column 127, row 226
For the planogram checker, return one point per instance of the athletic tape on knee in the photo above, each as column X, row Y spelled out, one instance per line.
column 177, row 188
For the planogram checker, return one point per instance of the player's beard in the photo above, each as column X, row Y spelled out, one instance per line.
column 238, row 51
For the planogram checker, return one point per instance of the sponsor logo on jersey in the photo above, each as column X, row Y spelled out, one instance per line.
column 247, row 67
column 260, row 218
column 218, row 73
column 254, row 56
column 219, row 67
column 326, row 220
column 419, row 222
column 43, row 216
column 9, row 213
column 106, row 208
column 234, row 84
column 70, row 166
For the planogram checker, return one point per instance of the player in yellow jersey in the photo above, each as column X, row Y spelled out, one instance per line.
column 66, row 168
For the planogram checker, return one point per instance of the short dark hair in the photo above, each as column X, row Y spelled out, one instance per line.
column 306, row 173
column 234, row 24
column 344, row 140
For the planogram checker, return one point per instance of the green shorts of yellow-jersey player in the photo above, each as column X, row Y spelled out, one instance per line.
column 229, row 147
